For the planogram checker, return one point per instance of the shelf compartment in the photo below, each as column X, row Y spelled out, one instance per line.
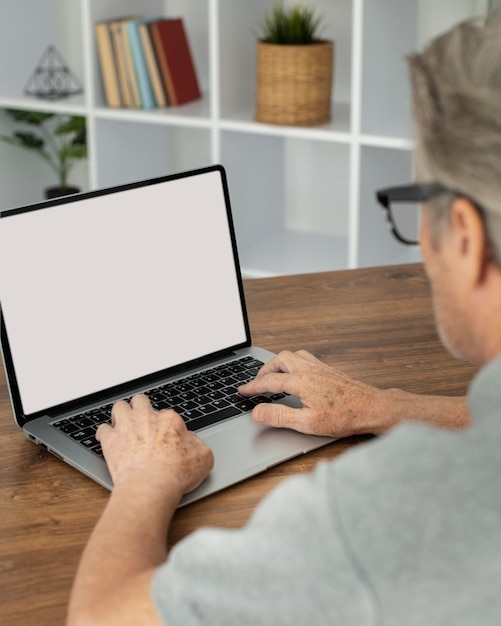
column 381, row 167
column 28, row 29
column 128, row 151
column 238, row 29
column 285, row 190
column 195, row 21
column 24, row 175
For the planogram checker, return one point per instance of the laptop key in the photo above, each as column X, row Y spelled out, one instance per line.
column 188, row 395
column 261, row 399
column 236, row 368
column 253, row 372
column 220, row 404
column 230, row 381
column 246, row 405
column 207, row 408
column 190, row 415
column 213, row 418
column 253, row 363
column 98, row 450
column 235, row 398
column 210, row 378
column 156, row 397
column 214, row 386
column 188, row 406
column 241, row 376
column 163, row 404
column 80, row 416
column 83, row 423
column 83, row 434
column 102, row 418
column 183, row 388
column 197, row 383
column 215, row 395
column 90, row 442
column 67, row 428
column 92, row 412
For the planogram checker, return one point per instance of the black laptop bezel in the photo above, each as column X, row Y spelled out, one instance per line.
column 150, row 379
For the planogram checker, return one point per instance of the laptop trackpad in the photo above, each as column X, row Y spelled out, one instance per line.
column 243, row 448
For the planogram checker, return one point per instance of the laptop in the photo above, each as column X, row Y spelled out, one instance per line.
column 134, row 289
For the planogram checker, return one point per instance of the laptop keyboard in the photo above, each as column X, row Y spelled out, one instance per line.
column 201, row 399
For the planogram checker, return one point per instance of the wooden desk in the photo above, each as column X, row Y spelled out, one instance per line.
column 376, row 324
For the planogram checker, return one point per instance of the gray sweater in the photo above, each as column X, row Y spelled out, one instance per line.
column 405, row 530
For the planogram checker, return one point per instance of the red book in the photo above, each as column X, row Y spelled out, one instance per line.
column 175, row 60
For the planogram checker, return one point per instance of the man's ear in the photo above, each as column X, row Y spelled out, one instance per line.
column 468, row 240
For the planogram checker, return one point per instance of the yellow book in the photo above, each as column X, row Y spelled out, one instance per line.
column 121, row 71
column 108, row 65
column 125, row 66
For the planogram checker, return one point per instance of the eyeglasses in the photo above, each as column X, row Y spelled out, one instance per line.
column 404, row 202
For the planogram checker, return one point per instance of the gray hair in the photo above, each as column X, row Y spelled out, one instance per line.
column 456, row 86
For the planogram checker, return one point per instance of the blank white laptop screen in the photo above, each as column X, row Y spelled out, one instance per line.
column 111, row 288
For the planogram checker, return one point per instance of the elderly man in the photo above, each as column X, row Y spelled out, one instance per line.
column 403, row 530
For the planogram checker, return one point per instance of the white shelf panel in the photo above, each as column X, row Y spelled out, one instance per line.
column 337, row 130
column 74, row 105
column 379, row 141
column 293, row 252
column 194, row 114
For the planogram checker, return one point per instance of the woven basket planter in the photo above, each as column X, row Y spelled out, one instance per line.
column 293, row 83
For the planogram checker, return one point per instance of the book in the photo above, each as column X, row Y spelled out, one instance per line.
column 120, row 61
column 151, row 62
column 139, row 63
column 107, row 60
column 161, row 61
column 128, row 72
column 175, row 60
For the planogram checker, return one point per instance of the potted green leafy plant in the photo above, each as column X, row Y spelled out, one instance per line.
column 60, row 140
column 294, row 68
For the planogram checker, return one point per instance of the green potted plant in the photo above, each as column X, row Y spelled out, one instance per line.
column 294, row 68
column 60, row 140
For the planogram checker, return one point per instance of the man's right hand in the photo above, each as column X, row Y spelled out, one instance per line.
column 336, row 405
column 333, row 404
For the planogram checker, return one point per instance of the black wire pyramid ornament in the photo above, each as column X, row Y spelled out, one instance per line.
column 52, row 78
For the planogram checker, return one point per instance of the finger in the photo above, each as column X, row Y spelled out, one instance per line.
column 308, row 356
column 118, row 409
column 270, row 383
column 103, row 431
column 282, row 363
column 140, row 401
column 282, row 416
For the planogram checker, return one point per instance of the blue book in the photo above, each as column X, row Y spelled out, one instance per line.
column 140, row 66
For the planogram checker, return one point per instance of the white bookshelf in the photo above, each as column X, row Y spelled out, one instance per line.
column 303, row 198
